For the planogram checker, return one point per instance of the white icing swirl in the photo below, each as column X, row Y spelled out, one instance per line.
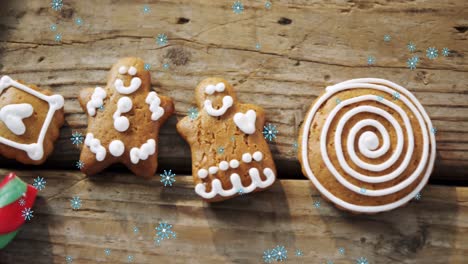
column 368, row 142
column 142, row 153
column 154, row 103
column 97, row 100
column 95, row 146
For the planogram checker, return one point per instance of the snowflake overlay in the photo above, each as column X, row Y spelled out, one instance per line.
column 68, row 259
column 433, row 130
column 135, row 230
column 75, row 203
column 166, row 66
column 58, row 37
column 56, row 5
column 280, row 253
column 258, row 46
column 387, row 38
column 22, row 202
column 418, row 196
column 168, row 178
column 370, row 60
column 267, row 4
column 147, row 66
column 220, row 150
column 164, row 231
column 268, row 256
column 317, row 204
column 77, row 138
column 299, row 253
column 411, row 47
column 161, row 39
column 363, row 190
column 270, row 132
column 78, row 21
column 445, row 52
column 130, row 258
column 53, row 27
column 237, row 7
column 27, row 214
column 412, row 62
column 432, row 53
column 79, row 164
column 193, row 113
column 396, row 96
column 107, row 251
column 146, row 9
column 39, row 183
column 362, row 260
column 341, row 250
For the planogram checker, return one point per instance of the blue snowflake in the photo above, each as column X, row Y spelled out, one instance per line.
column 22, row 202
column 379, row 98
column 329, row 261
column 53, row 27
column 39, row 183
column 146, row 9
column 101, row 108
column 268, row 256
column 77, row 138
column 168, row 178
column 295, row 147
column 161, row 39
column 193, row 113
column 396, row 95
column 237, row 7
column 387, row 38
column 317, row 204
column 432, row 53
column 164, row 231
column 166, row 66
column 418, row 196
column 445, row 52
column 78, row 21
column 411, row 47
column 220, row 150
column 56, row 5
column 299, row 253
column 147, row 66
column 79, row 164
column 135, row 230
column 130, row 258
column 370, row 60
column 58, row 37
column 270, row 132
column 240, row 191
column 258, row 46
column 363, row 190
column 362, row 260
column 233, row 138
column 69, row 259
column 267, row 4
column 280, row 253
column 412, row 62
column 75, row 203
column 338, row 100
column 433, row 130
column 341, row 250
column 107, row 251
column 27, row 213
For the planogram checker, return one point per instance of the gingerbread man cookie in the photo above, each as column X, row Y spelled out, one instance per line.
column 229, row 154
column 124, row 119
column 30, row 121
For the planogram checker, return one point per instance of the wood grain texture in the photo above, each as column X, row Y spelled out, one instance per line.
column 305, row 46
column 432, row 230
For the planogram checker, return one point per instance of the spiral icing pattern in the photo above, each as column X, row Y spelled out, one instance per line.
column 366, row 145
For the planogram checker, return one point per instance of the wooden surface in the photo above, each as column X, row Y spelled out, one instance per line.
column 305, row 46
column 432, row 230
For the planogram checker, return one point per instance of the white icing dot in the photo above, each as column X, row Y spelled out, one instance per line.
column 257, row 156
column 234, row 163
column 220, row 87
column 246, row 157
column 210, row 89
column 202, row 173
column 223, row 165
column 122, row 70
column 132, row 71
column 124, row 104
column 213, row 169
column 121, row 123
column 116, row 148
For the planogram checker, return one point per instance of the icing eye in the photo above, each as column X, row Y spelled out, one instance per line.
column 132, row 71
column 122, row 70
column 210, row 89
column 220, row 87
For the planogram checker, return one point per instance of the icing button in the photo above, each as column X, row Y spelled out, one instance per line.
column 257, row 156
column 246, row 157
column 202, row 173
column 234, row 163
column 213, row 170
column 223, row 165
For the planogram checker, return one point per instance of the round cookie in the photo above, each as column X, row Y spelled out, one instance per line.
column 366, row 144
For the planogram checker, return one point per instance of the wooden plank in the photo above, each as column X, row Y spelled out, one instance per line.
column 305, row 46
column 431, row 230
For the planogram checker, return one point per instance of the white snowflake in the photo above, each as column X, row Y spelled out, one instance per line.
column 193, row 113
column 168, row 177
column 445, row 52
column 270, row 132
column 27, row 214
column 107, row 251
column 432, row 53
column 237, row 7
column 280, row 253
column 39, row 183
column 56, row 5
column 164, row 231
column 22, row 202
column 75, row 203
column 161, row 39
column 411, row 47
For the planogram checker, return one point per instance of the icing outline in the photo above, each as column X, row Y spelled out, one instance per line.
column 35, row 150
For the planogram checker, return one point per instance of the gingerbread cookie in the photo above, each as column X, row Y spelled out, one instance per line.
column 229, row 154
column 30, row 120
column 367, row 145
column 16, row 201
column 124, row 119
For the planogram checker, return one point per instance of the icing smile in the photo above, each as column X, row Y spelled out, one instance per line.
column 227, row 103
column 135, row 83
